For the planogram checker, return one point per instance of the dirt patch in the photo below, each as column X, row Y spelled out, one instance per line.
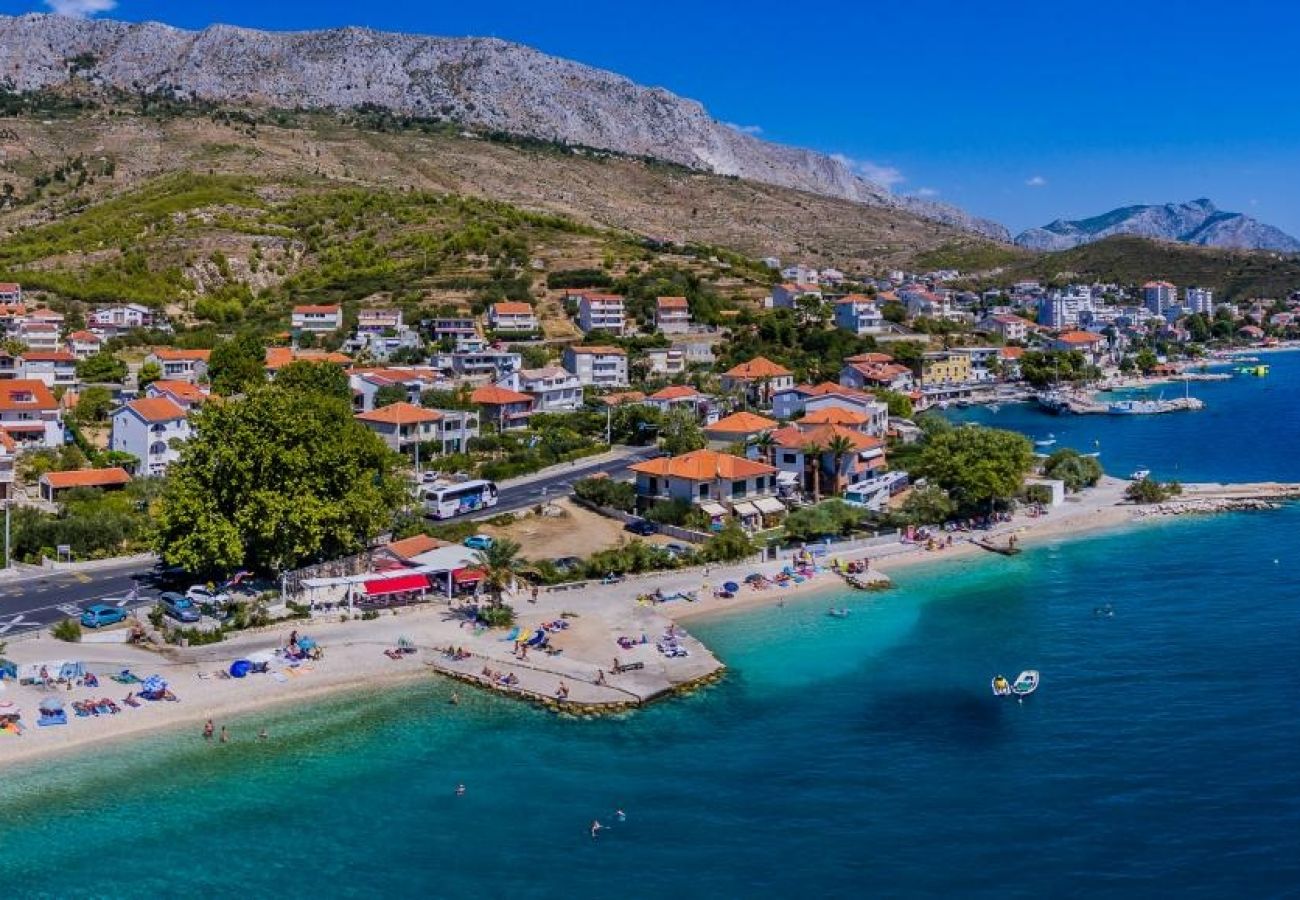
column 574, row 532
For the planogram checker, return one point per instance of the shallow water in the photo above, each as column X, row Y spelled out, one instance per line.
column 840, row 757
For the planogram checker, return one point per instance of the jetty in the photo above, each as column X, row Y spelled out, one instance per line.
column 1007, row 549
column 1081, row 404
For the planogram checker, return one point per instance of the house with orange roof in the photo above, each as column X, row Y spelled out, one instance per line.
column 826, row 458
column 672, row 315
column 598, row 366
column 29, row 414
column 1006, row 326
column 622, row 398
column 84, row 344
column 57, row 368
column 502, row 407
column 111, row 320
column 152, row 429
column 757, row 380
column 368, row 381
column 679, row 396
column 316, row 319
column 1010, row 357
column 804, row 399
column 739, row 428
column 403, row 552
column 890, row 376
column 858, row 314
column 182, row 393
column 600, row 312
column 403, row 426
column 552, row 388
column 708, row 479
column 787, row 295
column 10, row 293
column 279, row 357
column 8, row 458
column 53, row 484
column 1090, row 344
column 180, row 365
column 513, row 318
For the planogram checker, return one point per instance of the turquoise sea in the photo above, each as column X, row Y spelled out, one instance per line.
column 841, row 757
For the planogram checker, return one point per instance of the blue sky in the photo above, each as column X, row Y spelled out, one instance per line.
column 1019, row 111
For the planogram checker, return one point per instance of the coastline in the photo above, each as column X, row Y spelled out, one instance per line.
column 354, row 651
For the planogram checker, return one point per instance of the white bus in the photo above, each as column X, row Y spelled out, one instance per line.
column 443, row 502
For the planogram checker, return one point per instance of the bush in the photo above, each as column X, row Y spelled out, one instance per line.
column 833, row 517
column 1071, row 467
column 670, row 512
column 196, row 637
column 1148, row 490
column 68, row 630
column 369, row 615
column 606, row 492
column 731, row 544
column 501, row 616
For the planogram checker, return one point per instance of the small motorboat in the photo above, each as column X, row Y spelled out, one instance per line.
column 1001, row 687
column 1140, row 475
column 1045, row 442
column 1026, row 683
column 836, row 613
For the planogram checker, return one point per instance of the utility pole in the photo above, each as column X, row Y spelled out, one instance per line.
column 609, row 426
column 6, row 534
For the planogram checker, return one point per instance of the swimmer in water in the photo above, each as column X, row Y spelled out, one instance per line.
column 460, row 790
column 455, row 699
column 595, row 828
column 620, row 815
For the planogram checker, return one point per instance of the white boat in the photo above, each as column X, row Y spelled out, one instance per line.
column 1046, row 442
column 1140, row 475
column 1001, row 687
column 1026, row 683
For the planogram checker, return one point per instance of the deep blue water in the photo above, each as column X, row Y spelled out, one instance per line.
column 1248, row 431
column 841, row 757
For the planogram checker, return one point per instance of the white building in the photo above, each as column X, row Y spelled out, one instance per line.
column 455, row 329
column 1158, row 296
column 11, row 292
column 122, row 317
column 403, row 426
column 601, row 312
column 1006, row 326
column 487, row 362
column 1066, row 309
column 672, row 315
column 29, row 414
column 147, row 429
column 39, row 336
column 666, row 361
column 1199, row 300
column 552, row 388
column 984, row 362
column 316, row 319
column 84, row 344
column 785, row 296
column 518, row 318
column 604, row 367
column 859, row 315
column 379, row 320
column 56, row 368
column 180, row 365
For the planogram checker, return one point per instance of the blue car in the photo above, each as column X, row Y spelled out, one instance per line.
column 102, row 614
column 479, row 542
column 180, row 608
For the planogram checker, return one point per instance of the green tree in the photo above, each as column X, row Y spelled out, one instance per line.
column 977, row 465
column 500, row 564
column 927, row 505
column 1148, row 490
column 274, row 480
column 315, row 377
column 1073, row 468
column 102, row 367
column 606, row 492
column 812, row 460
column 900, row 405
column 680, row 432
column 731, row 544
column 237, row 365
column 149, row 373
column 391, row 393
column 93, row 405
column 1145, row 361
column 833, row 517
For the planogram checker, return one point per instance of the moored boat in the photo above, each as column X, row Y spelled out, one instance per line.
column 1001, row 687
column 1026, row 683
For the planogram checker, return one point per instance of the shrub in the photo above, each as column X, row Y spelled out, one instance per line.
column 669, row 512
column 497, row 616
column 1148, row 490
column 369, row 615
column 1071, row 467
column 731, row 544
column 832, row 517
column 68, row 630
column 606, row 492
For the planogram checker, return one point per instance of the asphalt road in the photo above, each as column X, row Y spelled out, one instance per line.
column 28, row 602
column 559, row 484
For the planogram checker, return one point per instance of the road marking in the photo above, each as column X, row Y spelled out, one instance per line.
column 82, row 577
column 70, row 608
column 6, row 627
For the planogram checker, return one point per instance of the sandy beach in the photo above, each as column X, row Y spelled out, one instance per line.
column 594, row 617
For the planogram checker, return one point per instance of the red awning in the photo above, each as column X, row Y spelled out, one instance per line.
column 377, row 587
column 464, row 576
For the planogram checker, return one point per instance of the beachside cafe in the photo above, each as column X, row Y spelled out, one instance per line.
column 444, row 573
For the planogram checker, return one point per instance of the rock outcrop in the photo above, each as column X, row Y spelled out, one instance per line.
column 1198, row 222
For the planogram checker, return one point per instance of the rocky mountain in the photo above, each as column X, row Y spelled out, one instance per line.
column 481, row 82
column 1198, row 222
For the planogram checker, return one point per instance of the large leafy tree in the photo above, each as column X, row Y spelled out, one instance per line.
column 237, row 365
column 977, row 465
column 102, row 367
column 317, row 378
column 1076, row 470
column 274, row 480
column 681, row 432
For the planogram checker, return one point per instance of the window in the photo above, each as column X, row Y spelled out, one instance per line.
column 739, row 488
column 790, row 458
column 704, row 490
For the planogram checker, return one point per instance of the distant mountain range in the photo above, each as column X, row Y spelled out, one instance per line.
column 479, row 82
column 1198, row 222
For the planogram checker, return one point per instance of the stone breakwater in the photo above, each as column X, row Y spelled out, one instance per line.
column 1201, row 506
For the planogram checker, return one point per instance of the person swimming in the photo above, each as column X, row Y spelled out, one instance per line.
column 620, row 815
column 460, row 790
column 595, row 827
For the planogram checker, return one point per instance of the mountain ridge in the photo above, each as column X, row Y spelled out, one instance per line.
column 476, row 81
column 1198, row 222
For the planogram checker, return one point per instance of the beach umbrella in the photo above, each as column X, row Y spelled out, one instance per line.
column 240, row 668
column 730, row 586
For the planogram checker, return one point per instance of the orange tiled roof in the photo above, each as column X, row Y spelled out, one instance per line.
column 600, row 351
column 671, row 303
column 86, row 478
column 758, row 367
column 1078, row 337
column 494, row 395
column 853, row 299
column 795, row 437
column 41, row 398
column 621, row 398
column 84, row 336
column 191, row 393
column 703, row 465
column 835, row 415
column 1011, row 352
column 49, row 356
column 512, row 309
column 869, row 358
column 675, row 392
column 741, row 423
column 173, row 354
column 414, row 546
column 156, row 409
column 400, row 413
column 312, row 308
column 279, row 357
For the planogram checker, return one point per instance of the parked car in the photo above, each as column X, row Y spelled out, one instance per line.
column 101, row 614
column 643, row 527
column 202, row 594
column 565, row 564
column 182, row 609
column 677, row 549
column 479, row 542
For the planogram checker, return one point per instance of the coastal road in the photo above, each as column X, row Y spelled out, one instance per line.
column 532, row 490
column 40, row 599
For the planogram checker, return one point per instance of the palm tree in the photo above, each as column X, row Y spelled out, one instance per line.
column 839, row 446
column 812, row 453
column 500, row 564
column 766, row 446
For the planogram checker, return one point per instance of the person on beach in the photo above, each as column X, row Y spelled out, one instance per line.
column 225, row 738
column 208, row 730
column 600, row 676
column 595, row 828
column 562, row 692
